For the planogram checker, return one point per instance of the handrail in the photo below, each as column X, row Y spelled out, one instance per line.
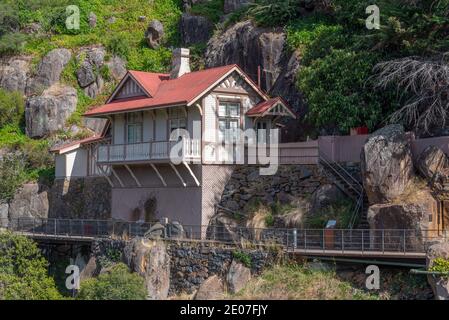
column 329, row 163
column 379, row 241
column 351, row 185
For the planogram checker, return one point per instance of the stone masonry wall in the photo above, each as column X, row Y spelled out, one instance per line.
column 83, row 198
column 290, row 180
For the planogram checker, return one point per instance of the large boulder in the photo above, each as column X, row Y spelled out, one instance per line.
column 237, row 277
column 154, row 34
column 117, row 68
column 234, row 5
column 30, row 202
column 14, row 73
column 211, row 289
column 223, row 227
column 386, row 164
column 48, row 113
column 433, row 164
column 195, row 29
column 414, row 212
column 49, row 70
column 151, row 260
column 440, row 285
column 91, row 61
column 326, row 195
column 264, row 46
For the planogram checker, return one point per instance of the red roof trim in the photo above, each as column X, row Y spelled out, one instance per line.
column 262, row 108
column 60, row 149
column 184, row 90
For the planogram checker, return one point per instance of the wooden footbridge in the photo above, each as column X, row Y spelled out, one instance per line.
column 395, row 244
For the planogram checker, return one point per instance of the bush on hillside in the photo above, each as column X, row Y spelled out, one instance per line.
column 12, row 175
column 117, row 284
column 23, row 270
column 11, row 108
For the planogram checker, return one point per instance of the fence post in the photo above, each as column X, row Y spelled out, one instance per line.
column 324, row 241
column 70, row 227
column 305, row 239
column 404, row 240
column 295, row 239
column 342, row 241
column 56, row 226
column 383, row 240
column 363, row 232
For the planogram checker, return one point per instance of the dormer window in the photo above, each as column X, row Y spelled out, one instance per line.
column 228, row 121
column 134, row 127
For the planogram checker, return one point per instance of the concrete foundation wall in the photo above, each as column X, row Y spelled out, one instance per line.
column 176, row 203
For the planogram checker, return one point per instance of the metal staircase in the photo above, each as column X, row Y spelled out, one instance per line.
column 347, row 183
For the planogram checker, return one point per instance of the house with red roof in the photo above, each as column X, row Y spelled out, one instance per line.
column 166, row 139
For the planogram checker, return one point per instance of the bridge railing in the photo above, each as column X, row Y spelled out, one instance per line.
column 397, row 240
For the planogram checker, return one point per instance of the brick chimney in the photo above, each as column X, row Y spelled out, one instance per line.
column 180, row 62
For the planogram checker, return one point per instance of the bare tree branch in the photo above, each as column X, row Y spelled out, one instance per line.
column 423, row 84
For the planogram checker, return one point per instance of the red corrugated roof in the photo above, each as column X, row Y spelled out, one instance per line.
column 165, row 91
column 263, row 107
column 61, row 148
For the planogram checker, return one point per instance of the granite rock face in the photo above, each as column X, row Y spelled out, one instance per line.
column 433, row 164
column 14, row 73
column 154, row 34
column 440, row 285
column 238, row 276
column 195, row 29
column 48, row 113
column 249, row 47
column 211, row 289
column 30, row 202
column 387, row 167
column 49, row 70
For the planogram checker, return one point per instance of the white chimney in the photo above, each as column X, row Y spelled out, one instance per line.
column 180, row 63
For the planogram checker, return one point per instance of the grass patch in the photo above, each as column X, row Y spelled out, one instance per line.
column 296, row 282
column 243, row 258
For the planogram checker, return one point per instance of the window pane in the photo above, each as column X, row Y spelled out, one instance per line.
column 222, row 110
column 234, row 110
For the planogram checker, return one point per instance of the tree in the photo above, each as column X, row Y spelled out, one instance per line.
column 23, row 270
column 424, row 87
column 117, row 284
column 337, row 91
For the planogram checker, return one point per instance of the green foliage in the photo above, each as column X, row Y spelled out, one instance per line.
column 12, row 175
column 440, row 265
column 119, row 45
column 117, row 284
column 23, row 270
column 274, row 12
column 337, row 90
column 340, row 211
column 11, row 108
column 243, row 258
column 212, row 9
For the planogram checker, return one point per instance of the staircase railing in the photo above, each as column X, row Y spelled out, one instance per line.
column 338, row 170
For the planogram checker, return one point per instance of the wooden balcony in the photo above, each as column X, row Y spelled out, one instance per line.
column 156, row 151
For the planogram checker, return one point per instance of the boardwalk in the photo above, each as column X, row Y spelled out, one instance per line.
column 386, row 244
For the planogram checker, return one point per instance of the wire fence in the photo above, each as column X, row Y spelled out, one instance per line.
column 398, row 240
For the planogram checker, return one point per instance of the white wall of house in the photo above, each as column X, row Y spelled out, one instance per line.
column 72, row 164
column 119, row 129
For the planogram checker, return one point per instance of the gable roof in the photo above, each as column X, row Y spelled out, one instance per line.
column 265, row 107
column 163, row 91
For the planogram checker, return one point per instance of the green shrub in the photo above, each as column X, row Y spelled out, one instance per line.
column 12, row 175
column 243, row 258
column 440, row 265
column 23, row 270
column 212, row 9
column 11, row 108
column 117, row 284
column 119, row 45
